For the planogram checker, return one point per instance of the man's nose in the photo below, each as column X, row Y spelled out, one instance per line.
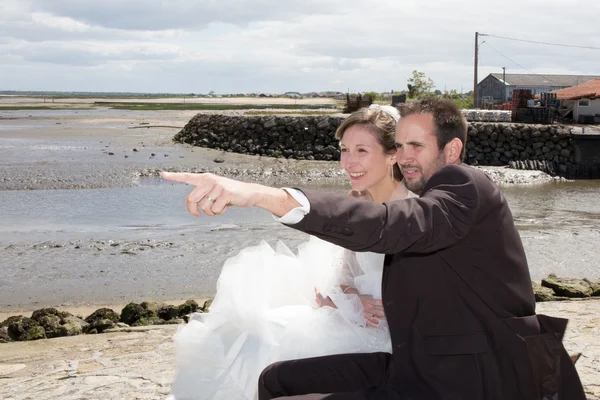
column 404, row 157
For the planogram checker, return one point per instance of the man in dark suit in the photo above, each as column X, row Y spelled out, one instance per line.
column 456, row 287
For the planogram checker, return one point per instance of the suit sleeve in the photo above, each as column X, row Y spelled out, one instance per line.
column 440, row 218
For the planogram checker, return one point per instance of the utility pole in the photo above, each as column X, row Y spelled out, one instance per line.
column 475, row 103
column 504, row 82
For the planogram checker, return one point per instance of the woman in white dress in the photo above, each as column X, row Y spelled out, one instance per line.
column 273, row 305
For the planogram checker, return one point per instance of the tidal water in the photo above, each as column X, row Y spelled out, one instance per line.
column 558, row 222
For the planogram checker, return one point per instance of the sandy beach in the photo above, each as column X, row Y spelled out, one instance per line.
column 139, row 363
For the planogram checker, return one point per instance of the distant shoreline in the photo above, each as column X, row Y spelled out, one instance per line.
column 69, row 101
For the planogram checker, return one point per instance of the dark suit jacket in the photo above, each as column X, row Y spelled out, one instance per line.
column 456, row 290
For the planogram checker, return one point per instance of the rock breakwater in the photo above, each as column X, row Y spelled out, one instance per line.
column 536, row 147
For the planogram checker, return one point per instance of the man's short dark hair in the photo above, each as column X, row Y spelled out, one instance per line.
column 447, row 118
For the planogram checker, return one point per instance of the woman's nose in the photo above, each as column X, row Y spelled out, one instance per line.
column 350, row 159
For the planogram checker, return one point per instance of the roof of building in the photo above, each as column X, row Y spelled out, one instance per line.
column 589, row 90
column 544, row 80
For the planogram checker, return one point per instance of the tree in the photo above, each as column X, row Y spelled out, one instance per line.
column 463, row 101
column 374, row 95
column 419, row 85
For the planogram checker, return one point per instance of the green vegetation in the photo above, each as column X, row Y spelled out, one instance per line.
column 462, row 101
column 374, row 96
column 420, row 86
column 211, row 106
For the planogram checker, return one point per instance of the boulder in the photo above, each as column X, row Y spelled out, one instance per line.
column 10, row 320
column 101, row 320
column 59, row 323
column 4, row 338
column 168, row 312
column 206, row 305
column 22, row 328
column 190, row 306
column 73, row 326
column 542, row 293
column 131, row 313
column 568, row 287
column 38, row 314
column 152, row 306
column 142, row 314
column 51, row 324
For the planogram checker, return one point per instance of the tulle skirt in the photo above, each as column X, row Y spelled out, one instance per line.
column 265, row 311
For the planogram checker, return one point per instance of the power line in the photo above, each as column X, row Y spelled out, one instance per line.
column 514, row 62
column 545, row 43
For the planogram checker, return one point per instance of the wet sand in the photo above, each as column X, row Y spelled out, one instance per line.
column 92, row 148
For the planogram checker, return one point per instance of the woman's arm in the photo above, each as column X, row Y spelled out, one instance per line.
column 370, row 308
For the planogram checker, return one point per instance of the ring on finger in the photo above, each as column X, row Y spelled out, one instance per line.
column 209, row 198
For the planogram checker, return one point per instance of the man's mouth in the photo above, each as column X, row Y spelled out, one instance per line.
column 410, row 172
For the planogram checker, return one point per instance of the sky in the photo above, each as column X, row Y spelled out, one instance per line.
column 275, row 46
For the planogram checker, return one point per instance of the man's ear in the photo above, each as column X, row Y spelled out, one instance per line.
column 453, row 149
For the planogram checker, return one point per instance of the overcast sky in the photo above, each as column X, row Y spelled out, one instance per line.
column 273, row 46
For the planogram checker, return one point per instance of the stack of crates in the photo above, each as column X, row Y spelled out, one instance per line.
column 519, row 100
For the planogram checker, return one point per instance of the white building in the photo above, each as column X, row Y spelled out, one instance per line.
column 582, row 100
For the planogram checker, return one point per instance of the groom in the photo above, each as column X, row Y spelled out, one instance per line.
column 456, row 287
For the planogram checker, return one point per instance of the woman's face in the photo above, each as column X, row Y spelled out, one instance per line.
column 363, row 159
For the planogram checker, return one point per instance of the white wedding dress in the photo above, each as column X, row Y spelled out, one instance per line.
column 265, row 311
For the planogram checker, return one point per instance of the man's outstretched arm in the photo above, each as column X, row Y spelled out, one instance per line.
column 214, row 194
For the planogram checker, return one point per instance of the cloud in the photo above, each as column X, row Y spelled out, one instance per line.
column 89, row 53
column 180, row 14
column 275, row 46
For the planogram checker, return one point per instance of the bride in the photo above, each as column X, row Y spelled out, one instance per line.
column 273, row 305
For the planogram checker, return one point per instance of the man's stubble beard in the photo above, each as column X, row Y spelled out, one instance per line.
column 418, row 186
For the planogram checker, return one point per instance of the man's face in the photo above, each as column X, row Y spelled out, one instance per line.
column 418, row 154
